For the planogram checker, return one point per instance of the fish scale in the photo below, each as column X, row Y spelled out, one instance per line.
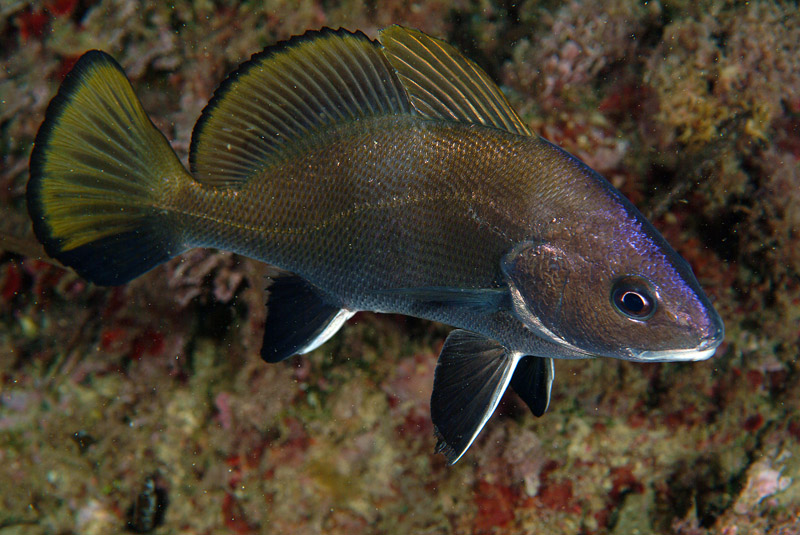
column 345, row 220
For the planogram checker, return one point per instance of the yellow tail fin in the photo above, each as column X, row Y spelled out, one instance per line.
column 99, row 173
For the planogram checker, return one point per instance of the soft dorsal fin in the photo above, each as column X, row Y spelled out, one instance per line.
column 442, row 83
column 286, row 92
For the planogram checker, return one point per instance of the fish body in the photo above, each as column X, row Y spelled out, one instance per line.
column 388, row 176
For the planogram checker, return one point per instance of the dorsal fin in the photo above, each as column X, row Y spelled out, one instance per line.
column 285, row 92
column 442, row 83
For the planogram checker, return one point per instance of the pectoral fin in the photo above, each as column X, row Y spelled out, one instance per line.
column 532, row 381
column 476, row 299
column 471, row 376
column 299, row 318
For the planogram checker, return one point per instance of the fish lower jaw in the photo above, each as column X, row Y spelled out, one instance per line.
column 678, row 355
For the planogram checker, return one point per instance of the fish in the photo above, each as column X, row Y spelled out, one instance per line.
column 388, row 175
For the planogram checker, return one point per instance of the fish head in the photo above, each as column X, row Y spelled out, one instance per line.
column 614, row 290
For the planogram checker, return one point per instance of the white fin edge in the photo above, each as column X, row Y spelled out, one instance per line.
column 497, row 395
column 551, row 374
column 333, row 327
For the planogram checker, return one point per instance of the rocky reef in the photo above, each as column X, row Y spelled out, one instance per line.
column 146, row 407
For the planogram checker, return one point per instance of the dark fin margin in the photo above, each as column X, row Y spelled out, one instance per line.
column 285, row 93
column 97, row 172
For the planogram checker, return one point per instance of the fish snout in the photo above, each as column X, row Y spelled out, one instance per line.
column 709, row 337
column 712, row 334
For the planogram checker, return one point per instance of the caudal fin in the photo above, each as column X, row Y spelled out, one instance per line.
column 99, row 173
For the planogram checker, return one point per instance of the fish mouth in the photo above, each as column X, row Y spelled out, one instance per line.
column 676, row 355
column 712, row 334
column 704, row 351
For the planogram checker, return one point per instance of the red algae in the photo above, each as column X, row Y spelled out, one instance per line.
column 496, row 506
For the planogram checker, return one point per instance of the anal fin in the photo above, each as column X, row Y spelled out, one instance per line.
column 533, row 381
column 471, row 376
column 299, row 318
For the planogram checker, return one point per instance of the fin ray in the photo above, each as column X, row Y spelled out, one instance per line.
column 471, row 376
column 285, row 93
column 443, row 83
column 98, row 170
column 470, row 298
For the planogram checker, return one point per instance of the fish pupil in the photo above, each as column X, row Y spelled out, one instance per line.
column 632, row 300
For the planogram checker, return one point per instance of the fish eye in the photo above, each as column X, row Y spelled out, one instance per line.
column 632, row 297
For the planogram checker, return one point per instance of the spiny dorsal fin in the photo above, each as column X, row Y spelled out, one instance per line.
column 286, row 92
column 442, row 83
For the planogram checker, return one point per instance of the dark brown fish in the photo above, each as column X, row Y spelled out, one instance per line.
column 390, row 176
